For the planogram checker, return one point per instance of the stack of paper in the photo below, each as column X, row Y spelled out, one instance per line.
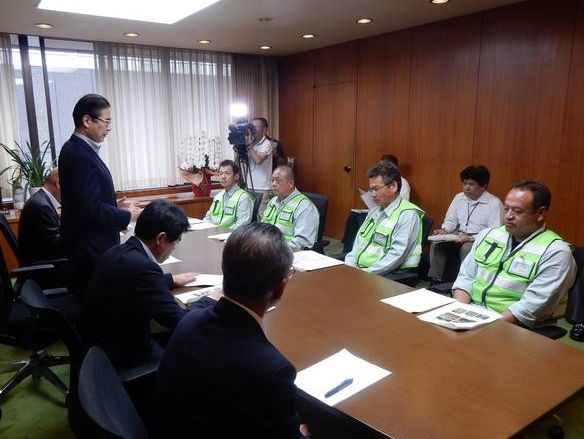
column 170, row 260
column 203, row 280
column 459, row 316
column 418, row 300
column 308, row 260
column 338, row 377
column 192, row 296
column 220, row 236
column 193, row 221
column 201, row 226
column 443, row 238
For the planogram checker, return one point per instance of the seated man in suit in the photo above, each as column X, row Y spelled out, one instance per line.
column 522, row 269
column 233, row 206
column 291, row 211
column 390, row 238
column 39, row 236
column 128, row 288
column 472, row 210
column 220, row 377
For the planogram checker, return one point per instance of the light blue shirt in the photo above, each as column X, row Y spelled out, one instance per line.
column 306, row 219
column 555, row 275
column 244, row 207
column 403, row 239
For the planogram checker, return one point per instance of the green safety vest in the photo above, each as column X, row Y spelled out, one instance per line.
column 226, row 216
column 374, row 238
column 284, row 218
column 501, row 281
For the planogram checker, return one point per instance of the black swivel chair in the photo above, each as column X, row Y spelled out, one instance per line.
column 412, row 277
column 257, row 201
column 321, row 203
column 106, row 410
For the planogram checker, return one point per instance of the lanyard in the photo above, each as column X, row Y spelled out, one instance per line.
column 470, row 212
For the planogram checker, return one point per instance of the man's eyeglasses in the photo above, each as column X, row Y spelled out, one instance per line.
column 108, row 123
column 291, row 272
column 376, row 189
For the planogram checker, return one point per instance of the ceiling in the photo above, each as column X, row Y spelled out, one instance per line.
column 233, row 26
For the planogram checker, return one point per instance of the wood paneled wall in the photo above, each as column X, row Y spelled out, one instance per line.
column 503, row 88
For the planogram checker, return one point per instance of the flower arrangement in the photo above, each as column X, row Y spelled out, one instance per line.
column 199, row 152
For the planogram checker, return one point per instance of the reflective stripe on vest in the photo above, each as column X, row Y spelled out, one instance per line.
column 225, row 216
column 374, row 238
column 500, row 281
column 283, row 219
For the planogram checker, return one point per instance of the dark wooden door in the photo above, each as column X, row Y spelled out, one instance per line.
column 333, row 159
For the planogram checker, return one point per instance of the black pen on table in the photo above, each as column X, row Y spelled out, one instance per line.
column 338, row 388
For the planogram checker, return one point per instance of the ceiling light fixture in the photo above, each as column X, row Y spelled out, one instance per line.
column 364, row 20
column 308, row 36
column 204, row 41
column 166, row 12
column 44, row 25
column 132, row 34
column 265, row 47
column 438, row 2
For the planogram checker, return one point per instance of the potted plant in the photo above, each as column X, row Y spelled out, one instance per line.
column 28, row 165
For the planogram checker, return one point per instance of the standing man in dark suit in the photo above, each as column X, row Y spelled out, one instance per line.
column 220, row 377
column 91, row 218
column 128, row 288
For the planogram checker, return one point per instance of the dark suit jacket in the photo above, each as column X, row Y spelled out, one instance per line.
column 90, row 218
column 220, row 377
column 126, row 290
column 39, row 237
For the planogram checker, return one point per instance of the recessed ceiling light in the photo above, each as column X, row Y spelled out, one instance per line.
column 308, row 36
column 166, row 12
column 44, row 25
column 204, row 41
column 438, row 2
column 364, row 20
column 263, row 19
column 265, row 47
column 132, row 34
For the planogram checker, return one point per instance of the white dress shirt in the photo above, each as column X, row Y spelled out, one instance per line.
column 472, row 216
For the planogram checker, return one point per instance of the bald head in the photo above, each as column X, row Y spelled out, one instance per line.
column 52, row 184
column 283, row 181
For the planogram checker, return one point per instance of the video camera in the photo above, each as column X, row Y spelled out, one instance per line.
column 238, row 135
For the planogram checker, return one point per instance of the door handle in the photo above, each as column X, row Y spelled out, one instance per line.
column 347, row 168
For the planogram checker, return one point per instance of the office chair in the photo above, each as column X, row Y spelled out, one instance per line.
column 321, row 203
column 257, row 201
column 575, row 309
column 47, row 276
column 411, row 278
column 105, row 409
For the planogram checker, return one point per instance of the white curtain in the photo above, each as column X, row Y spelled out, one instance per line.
column 160, row 97
column 9, row 132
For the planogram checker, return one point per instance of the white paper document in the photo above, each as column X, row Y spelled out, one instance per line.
column 449, row 237
column 201, row 226
column 220, row 236
column 338, row 377
column 460, row 316
column 193, row 221
column 418, row 300
column 192, row 296
column 204, row 280
column 170, row 260
column 308, row 260
column 367, row 198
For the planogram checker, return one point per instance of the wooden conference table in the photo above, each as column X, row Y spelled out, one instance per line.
column 486, row 383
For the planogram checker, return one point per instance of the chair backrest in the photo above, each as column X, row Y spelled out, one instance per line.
column 575, row 309
column 257, row 201
column 40, row 306
column 104, row 400
column 321, row 203
column 7, row 294
column 9, row 236
column 424, row 264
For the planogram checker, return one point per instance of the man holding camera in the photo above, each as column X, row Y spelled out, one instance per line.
column 260, row 152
